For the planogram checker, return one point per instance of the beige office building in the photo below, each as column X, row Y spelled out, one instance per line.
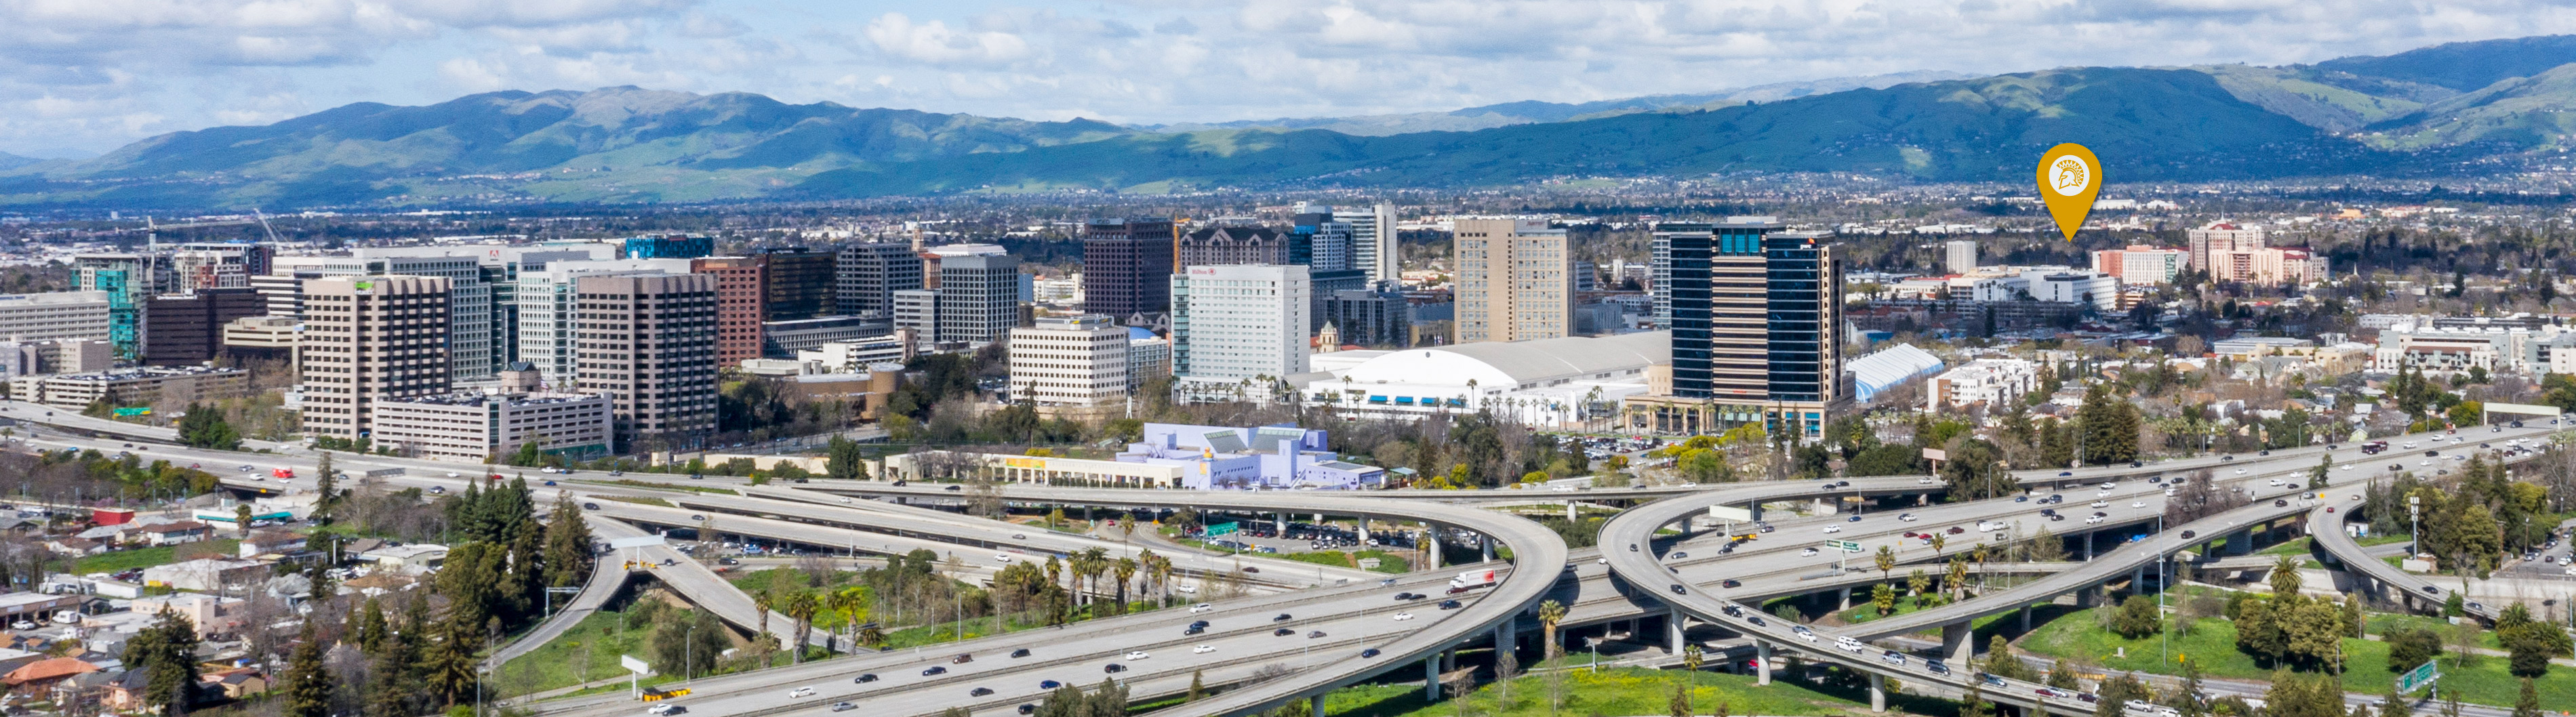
column 475, row 427
column 369, row 339
column 156, row 387
column 1070, row 361
column 53, row 315
column 1512, row 280
column 649, row 342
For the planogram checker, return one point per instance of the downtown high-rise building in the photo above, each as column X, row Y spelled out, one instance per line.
column 547, row 311
column 1217, row 246
column 1756, row 322
column 1127, row 266
column 1513, row 282
column 774, row 285
column 978, row 301
column 1231, row 323
column 1076, row 361
column 188, row 329
column 649, row 341
column 369, row 339
column 868, row 274
column 1959, row 256
column 129, row 280
column 801, row 284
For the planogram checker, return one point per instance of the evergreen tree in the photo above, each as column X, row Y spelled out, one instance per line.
column 2528, row 704
column 308, row 683
column 448, row 663
column 167, row 652
column 204, row 427
column 1198, row 686
column 842, row 460
column 326, row 491
column 1973, row 704
column 568, row 552
column 372, row 631
column 2395, row 705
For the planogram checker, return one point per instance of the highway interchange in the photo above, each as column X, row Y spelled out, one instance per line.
column 1356, row 615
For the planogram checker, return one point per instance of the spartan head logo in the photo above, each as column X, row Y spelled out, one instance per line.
column 2070, row 176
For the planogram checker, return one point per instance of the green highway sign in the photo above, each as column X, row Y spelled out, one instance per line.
column 145, row 411
column 2419, row 677
column 1844, row 545
column 1221, row 529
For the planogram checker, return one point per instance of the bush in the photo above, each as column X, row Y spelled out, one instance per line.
column 2411, row 646
column 2136, row 618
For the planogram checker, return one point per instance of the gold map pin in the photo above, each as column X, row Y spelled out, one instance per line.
column 2069, row 177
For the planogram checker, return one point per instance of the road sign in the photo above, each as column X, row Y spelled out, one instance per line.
column 634, row 665
column 1221, row 529
column 1843, row 545
column 2420, row 676
column 130, row 412
column 1728, row 512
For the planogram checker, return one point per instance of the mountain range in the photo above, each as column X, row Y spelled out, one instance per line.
column 2426, row 112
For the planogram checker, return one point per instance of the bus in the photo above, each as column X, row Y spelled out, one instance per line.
column 2374, row 447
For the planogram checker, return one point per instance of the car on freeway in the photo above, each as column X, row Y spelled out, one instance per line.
column 1677, row 555
column 1312, row 634
column 2137, row 504
column 1892, row 657
column 1022, row 652
column 1402, row 616
column 2189, row 534
column 1283, row 632
column 1202, row 607
column 847, row 706
column 1368, row 653
column 1853, row 519
column 864, row 678
column 1449, row 604
column 2280, row 503
column 1281, row 617
column 1907, row 517
column 800, row 692
column 1679, row 590
column 1113, row 668
column 1730, row 583
column 1137, row 655
column 1808, row 553
column 1202, row 649
column 1830, row 529
column 1936, row 667
column 590, row 506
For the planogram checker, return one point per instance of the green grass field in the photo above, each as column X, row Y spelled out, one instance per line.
column 122, row 560
column 2212, row 645
column 1624, row 691
column 1387, row 562
column 587, row 652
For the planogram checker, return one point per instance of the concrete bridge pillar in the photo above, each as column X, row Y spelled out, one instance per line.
column 1846, row 601
column 1674, row 626
column 1958, row 644
column 1761, row 662
column 1364, row 534
column 1569, row 511
column 2084, row 547
column 1449, row 659
column 1316, row 707
column 1431, row 678
column 1279, row 524
column 1431, row 542
column 1507, row 635
column 2138, row 580
column 1877, row 693
column 2240, row 542
column 2025, row 617
column 1756, row 509
column 1486, row 544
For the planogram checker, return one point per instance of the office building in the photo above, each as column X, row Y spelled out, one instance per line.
column 369, row 339
column 26, row 358
column 669, row 246
column 547, row 310
column 129, row 280
column 801, row 284
column 1217, row 246
column 1127, row 266
column 978, row 298
column 2268, row 266
column 856, row 355
column 650, row 341
column 1368, row 318
column 1756, row 331
column 2140, row 264
column 473, row 311
column 1075, row 361
column 1994, row 382
column 867, row 275
column 185, row 329
column 480, row 427
column 2219, row 237
column 1512, row 280
column 156, row 387
column 54, row 315
column 784, row 339
column 742, row 302
column 212, row 265
column 1960, row 256
column 1149, row 357
column 1327, row 245
column 264, row 337
column 1231, row 323
column 931, row 257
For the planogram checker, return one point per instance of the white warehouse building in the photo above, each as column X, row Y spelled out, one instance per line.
column 1546, row 383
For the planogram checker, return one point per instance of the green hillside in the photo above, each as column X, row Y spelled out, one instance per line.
column 2415, row 113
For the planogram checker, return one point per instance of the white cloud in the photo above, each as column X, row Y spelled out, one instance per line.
column 93, row 74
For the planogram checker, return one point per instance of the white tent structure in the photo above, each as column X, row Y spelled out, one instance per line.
column 1891, row 366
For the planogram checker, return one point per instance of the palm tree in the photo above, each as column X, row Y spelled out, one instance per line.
column 870, row 635
column 763, row 600
column 1126, row 571
column 802, row 607
column 1549, row 614
column 847, row 602
column 1095, row 562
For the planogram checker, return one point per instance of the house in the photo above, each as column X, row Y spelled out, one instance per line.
column 211, row 614
column 236, row 683
column 271, row 543
column 125, row 693
column 75, row 546
column 185, row 531
column 413, row 559
column 36, row 678
column 206, row 574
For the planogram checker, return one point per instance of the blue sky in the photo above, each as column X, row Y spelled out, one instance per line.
column 79, row 77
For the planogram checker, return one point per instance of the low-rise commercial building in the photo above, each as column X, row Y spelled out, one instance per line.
column 54, row 315
column 476, row 427
column 1554, row 383
column 150, row 386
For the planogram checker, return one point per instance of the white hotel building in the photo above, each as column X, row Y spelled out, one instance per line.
column 1233, row 324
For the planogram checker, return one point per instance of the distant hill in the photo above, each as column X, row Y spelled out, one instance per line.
column 1533, row 111
column 10, row 161
column 2426, row 112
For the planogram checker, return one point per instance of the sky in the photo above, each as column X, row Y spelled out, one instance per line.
column 82, row 77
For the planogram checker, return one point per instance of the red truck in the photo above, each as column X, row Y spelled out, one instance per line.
column 282, row 473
